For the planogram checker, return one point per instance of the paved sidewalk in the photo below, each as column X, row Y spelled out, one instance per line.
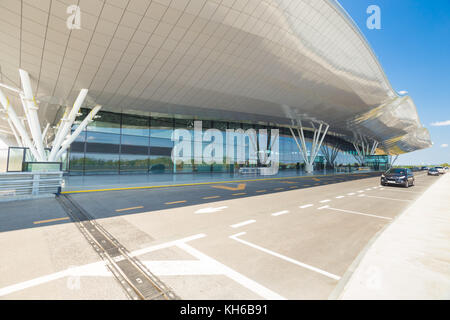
column 411, row 257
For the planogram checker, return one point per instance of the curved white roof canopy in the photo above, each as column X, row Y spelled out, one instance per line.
column 272, row 61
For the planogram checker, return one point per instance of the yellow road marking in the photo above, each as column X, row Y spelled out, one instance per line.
column 173, row 202
column 132, row 208
column 306, row 185
column 212, row 197
column 238, row 194
column 293, row 187
column 261, row 191
column 241, row 186
column 193, row 184
column 315, row 179
column 50, row 220
column 288, row 182
column 278, row 189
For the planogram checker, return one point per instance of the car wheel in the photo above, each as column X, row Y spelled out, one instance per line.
column 406, row 185
column 413, row 182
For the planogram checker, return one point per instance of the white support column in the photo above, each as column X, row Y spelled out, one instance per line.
column 33, row 119
column 18, row 125
column 374, row 147
column 66, row 124
column 298, row 146
column 393, row 160
column 11, row 125
column 318, row 138
column 66, row 144
column 44, row 133
column 321, row 141
column 360, row 156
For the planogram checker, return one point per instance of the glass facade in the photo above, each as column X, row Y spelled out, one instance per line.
column 119, row 143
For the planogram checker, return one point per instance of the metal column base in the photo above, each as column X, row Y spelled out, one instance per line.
column 309, row 168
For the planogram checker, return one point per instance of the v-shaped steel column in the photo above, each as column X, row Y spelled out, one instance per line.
column 318, row 137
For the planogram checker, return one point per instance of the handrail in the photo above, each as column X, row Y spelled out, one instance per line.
column 29, row 185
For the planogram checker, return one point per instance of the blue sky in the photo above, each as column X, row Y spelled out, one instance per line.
column 413, row 46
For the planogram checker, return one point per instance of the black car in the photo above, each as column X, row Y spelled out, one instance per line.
column 398, row 176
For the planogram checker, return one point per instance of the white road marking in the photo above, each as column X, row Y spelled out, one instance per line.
column 369, row 189
column 301, row 264
column 182, row 267
column 323, row 201
column 360, row 213
column 340, row 197
column 240, row 224
column 323, row 207
column 394, row 199
column 306, row 206
column 350, row 194
column 280, row 213
column 360, row 191
column 361, row 195
column 32, row 283
column 211, row 209
column 166, row 244
column 236, row 276
column 92, row 269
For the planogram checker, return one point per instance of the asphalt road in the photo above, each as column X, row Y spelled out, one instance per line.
column 275, row 239
column 124, row 202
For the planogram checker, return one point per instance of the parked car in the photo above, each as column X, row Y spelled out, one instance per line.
column 424, row 168
column 441, row 170
column 398, row 176
column 433, row 172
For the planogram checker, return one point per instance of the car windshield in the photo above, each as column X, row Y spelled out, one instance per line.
column 397, row 171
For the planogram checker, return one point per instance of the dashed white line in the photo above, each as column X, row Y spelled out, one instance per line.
column 305, row 206
column 301, row 264
column 350, row 194
column 369, row 189
column 280, row 213
column 340, row 197
column 323, row 201
column 243, row 223
column 360, row 191
column 323, row 207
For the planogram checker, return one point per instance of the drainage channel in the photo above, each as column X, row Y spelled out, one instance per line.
column 139, row 283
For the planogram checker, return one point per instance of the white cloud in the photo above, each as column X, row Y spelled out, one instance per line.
column 441, row 123
column 444, row 145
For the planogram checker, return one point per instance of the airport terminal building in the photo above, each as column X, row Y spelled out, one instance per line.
column 128, row 74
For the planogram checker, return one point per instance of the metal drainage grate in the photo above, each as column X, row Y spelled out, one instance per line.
column 138, row 282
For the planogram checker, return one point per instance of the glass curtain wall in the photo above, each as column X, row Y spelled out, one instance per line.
column 118, row 143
